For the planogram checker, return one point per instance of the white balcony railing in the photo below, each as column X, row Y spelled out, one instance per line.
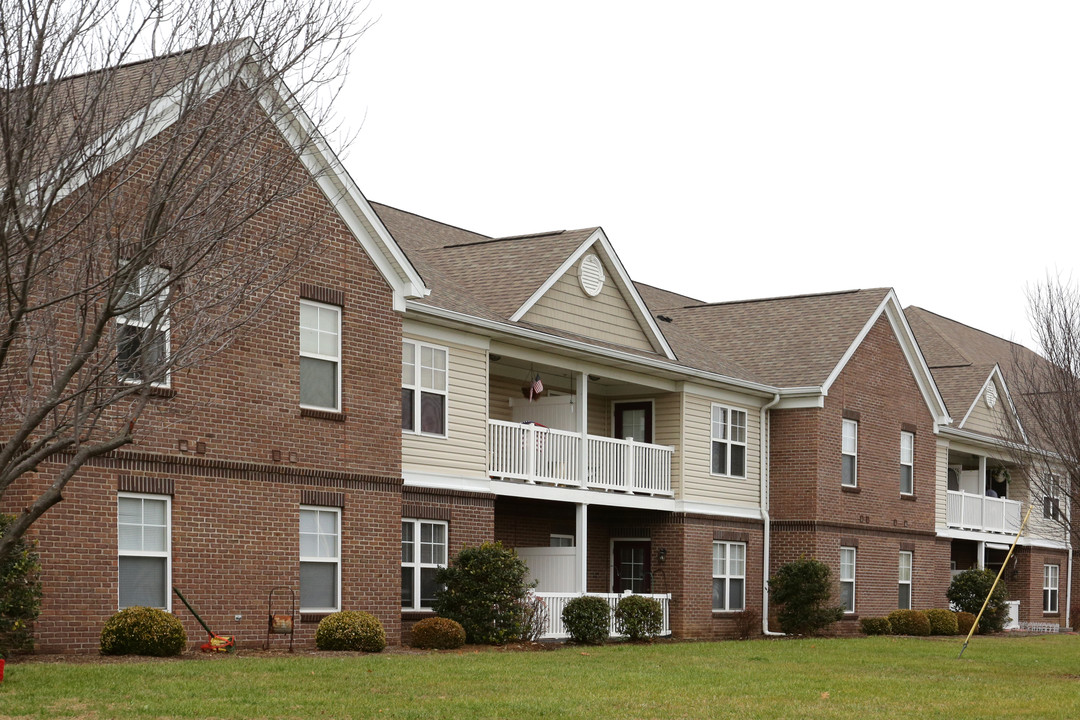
column 556, row 602
column 978, row 512
column 536, row 454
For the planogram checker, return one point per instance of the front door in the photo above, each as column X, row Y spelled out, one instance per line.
column 633, row 566
column 634, row 419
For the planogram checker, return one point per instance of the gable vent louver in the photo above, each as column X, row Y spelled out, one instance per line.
column 591, row 275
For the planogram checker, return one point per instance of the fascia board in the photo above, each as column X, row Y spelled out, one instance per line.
column 995, row 372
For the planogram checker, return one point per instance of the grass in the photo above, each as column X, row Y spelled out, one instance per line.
column 1032, row 677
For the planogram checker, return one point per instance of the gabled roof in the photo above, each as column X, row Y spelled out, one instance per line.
column 130, row 104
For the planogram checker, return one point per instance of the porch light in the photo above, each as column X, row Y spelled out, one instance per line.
column 661, row 554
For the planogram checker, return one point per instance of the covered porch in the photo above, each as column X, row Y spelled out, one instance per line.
column 983, row 494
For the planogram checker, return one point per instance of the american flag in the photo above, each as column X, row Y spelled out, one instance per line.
column 536, row 388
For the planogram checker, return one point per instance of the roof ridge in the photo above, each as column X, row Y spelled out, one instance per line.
column 969, row 327
column 773, row 299
column 532, row 235
column 133, row 63
column 431, row 220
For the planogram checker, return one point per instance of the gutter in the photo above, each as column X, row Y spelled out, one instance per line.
column 765, row 517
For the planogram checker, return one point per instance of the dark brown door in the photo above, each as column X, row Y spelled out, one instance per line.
column 634, row 419
column 633, row 566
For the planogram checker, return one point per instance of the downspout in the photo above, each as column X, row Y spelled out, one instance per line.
column 1068, row 592
column 764, row 461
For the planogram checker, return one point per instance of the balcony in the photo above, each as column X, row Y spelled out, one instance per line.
column 535, row 454
column 978, row 512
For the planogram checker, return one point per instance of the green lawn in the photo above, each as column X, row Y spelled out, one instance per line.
column 1033, row 677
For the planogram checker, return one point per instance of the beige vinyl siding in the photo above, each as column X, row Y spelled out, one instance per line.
column 606, row 317
column 941, row 484
column 501, row 390
column 986, row 420
column 599, row 412
column 464, row 450
column 667, row 429
column 1038, row 526
column 699, row 484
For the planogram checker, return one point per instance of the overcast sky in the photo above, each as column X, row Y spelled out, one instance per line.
column 740, row 150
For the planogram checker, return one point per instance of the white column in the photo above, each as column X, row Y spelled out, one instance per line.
column 982, row 555
column 982, row 476
column 582, row 420
column 581, row 546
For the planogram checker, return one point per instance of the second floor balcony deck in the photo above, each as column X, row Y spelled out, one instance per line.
column 969, row 511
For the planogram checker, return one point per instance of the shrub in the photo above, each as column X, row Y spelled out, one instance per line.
column 964, row 621
column 143, row 631
column 350, row 630
column 803, row 591
column 587, row 619
column 638, row 617
column 747, row 624
column 1074, row 617
column 483, row 589
column 968, row 591
column 876, row 625
column 534, row 617
column 20, row 594
column 438, row 633
column 942, row 622
column 909, row 622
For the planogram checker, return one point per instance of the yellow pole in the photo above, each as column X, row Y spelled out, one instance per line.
column 1016, row 539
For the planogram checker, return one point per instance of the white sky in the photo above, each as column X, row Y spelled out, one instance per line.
column 738, row 150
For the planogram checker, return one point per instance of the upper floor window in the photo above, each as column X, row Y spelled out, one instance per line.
column 423, row 552
column 850, row 453
column 423, row 388
column 1051, row 502
column 320, row 559
column 907, row 463
column 728, row 441
column 847, row 579
column 320, row 355
column 142, row 332
column 144, row 544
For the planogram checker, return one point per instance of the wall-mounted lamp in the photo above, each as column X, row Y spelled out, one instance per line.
column 661, row 555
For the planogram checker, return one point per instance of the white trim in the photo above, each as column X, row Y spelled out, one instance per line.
column 852, row 580
column 911, row 577
column 1056, row 588
column 418, row 388
column 844, row 424
column 995, row 372
column 911, row 464
column 319, row 559
column 417, row 564
column 167, row 553
column 977, row 536
column 562, row 536
column 728, row 441
column 326, row 358
column 412, row 329
column 727, row 576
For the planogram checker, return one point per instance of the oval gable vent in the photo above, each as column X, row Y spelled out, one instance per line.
column 591, row 274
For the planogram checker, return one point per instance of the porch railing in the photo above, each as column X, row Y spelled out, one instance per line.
column 556, row 602
column 979, row 512
column 521, row 451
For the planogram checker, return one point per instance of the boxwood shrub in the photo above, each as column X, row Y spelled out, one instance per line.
column 909, row 622
column 143, row 631
column 350, row 630
column 876, row 625
column 437, row 633
column 964, row 621
column 587, row 619
column 639, row 617
column 942, row 622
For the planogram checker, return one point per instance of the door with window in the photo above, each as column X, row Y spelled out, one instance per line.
column 632, row 560
column 634, row 419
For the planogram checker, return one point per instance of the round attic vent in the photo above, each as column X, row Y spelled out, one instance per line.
column 991, row 395
column 591, row 275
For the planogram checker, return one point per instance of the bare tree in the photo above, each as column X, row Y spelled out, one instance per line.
column 141, row 144
column 1047, row 391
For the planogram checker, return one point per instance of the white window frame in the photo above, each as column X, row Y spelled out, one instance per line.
column 1051, row 498
column 167, row 553
column 1051, row 578
column 558, row 540
column 144, row 316
column 734, row 568
column 849, row 447
column 907, row 562
column 907, row 462
column 419, row 390
column 335, row 359
column 322, row 559
column 847, row 575
column 416, row 564
column 725, row 431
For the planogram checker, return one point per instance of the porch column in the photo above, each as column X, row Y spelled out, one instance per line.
column 982, row 475
column 581, row 547
column 582, row 420
column 982, row 555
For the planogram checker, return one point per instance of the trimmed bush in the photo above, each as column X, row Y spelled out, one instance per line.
column 483, row 589
column 909, row 622
column 638, row 617
column 803, row 590
column 876, row 625
column 942, row 622
column 968, row 591
column 349, row 630
column 20, row 594
column 437, row 633
column 143, row 631
column 964, row 621
column 587, row 619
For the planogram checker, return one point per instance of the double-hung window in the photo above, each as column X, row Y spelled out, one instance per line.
column 907, row 463
column 423, row 388
column 1051, row 503
column 144, row 544
column 903, row 600
column 142, row 331
column 847, row 579
column 1050, row 588
column 728, row 441
column 423, row 552
column 850, row 453
column 729, row 576
column 320, row 559
column 320, row 356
